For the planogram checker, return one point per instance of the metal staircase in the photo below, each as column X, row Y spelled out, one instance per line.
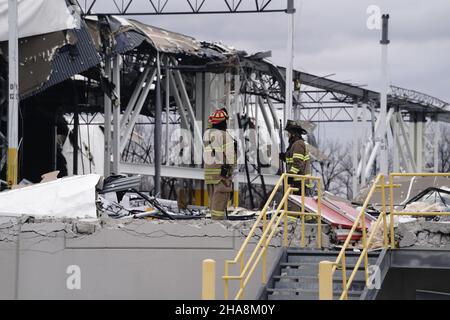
column 296, row 275
column 302, row 274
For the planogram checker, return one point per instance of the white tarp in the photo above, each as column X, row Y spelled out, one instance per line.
column 71, row 197
column 38, row 17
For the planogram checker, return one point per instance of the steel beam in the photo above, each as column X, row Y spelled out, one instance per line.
column 368, row 148
column 181, row 111
column 107, row 125
column 371, row 160
column 134, row 97
column 116, row 115
column 235, row 125
column 363, row 154
column 410, row 159
column 270, row 104
column 187, row 7
column 158, row 129
column 355, row 148
column 416, row 139
column 189, row 173
column 436, row 137
column 128, row 129
column 167, row 104
column 395, row 142
column 265, row 115
column 13, row 96
column 198, row 136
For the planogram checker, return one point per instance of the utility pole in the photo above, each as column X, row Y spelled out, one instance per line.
column 13, row 96
column 290, row 63
column 383, row 94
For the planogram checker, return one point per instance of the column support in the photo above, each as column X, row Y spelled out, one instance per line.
column 13, row 97
column 116, row 115
column 107, row 124
column 158, row 128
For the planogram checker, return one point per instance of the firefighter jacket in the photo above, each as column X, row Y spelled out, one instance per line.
column 297, row 157
column 219, row 156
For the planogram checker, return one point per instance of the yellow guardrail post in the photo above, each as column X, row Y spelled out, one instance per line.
column 264, row 265
column 364, row 243
column 225, row 284
column 302, row 236
column 241, row 268
column 325, row 280
column 264, row 257
column 344, row 276
column 209, row 279
column 285, row 227
column 383, row 212
column 391, row 209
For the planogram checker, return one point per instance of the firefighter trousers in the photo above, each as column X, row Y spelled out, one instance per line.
column 219, row 194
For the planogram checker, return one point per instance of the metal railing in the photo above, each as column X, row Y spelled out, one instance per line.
column 404, row 213
column 327, row 268
column 269, row 229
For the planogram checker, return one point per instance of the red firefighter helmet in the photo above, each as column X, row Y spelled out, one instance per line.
column 218, row 116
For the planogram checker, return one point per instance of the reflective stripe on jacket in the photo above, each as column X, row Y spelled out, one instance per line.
column 218, row 150
column 298, row 159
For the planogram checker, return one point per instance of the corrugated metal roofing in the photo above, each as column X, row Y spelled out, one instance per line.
column 127, row 41
column 71, row 60
column 166, row 41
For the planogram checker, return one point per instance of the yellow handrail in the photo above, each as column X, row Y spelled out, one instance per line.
column 393, row 213
column 247, row 268
column 379, row 183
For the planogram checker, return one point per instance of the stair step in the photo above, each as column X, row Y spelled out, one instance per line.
column 309, row 269
column 300, row 294
column 317, row 258
column 314, row 252
column 312, row 283
column 296, row 297
column 337, row 277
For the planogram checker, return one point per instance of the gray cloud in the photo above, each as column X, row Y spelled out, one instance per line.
column 332, row 37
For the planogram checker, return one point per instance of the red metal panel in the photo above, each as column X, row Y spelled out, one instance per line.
column 330, row 215
column 347, row 210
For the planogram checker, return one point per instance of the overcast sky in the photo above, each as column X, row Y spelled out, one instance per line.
column 332, row 37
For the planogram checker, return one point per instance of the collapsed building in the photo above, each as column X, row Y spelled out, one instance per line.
column 103, row 99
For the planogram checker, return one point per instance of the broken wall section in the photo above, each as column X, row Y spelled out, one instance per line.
column 118, row 259
column 423, row 233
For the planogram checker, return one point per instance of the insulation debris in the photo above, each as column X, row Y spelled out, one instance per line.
column 71, row 197
column 38, row 17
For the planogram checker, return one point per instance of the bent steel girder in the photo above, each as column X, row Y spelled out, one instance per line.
column 186, row 7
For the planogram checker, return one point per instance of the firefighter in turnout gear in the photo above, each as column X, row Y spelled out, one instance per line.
column 297, row 156
column 220, row 160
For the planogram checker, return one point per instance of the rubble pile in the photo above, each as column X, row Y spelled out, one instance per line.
column 422, row 233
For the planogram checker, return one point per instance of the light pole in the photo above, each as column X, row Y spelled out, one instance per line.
column 383, row 94
column 290, row 63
